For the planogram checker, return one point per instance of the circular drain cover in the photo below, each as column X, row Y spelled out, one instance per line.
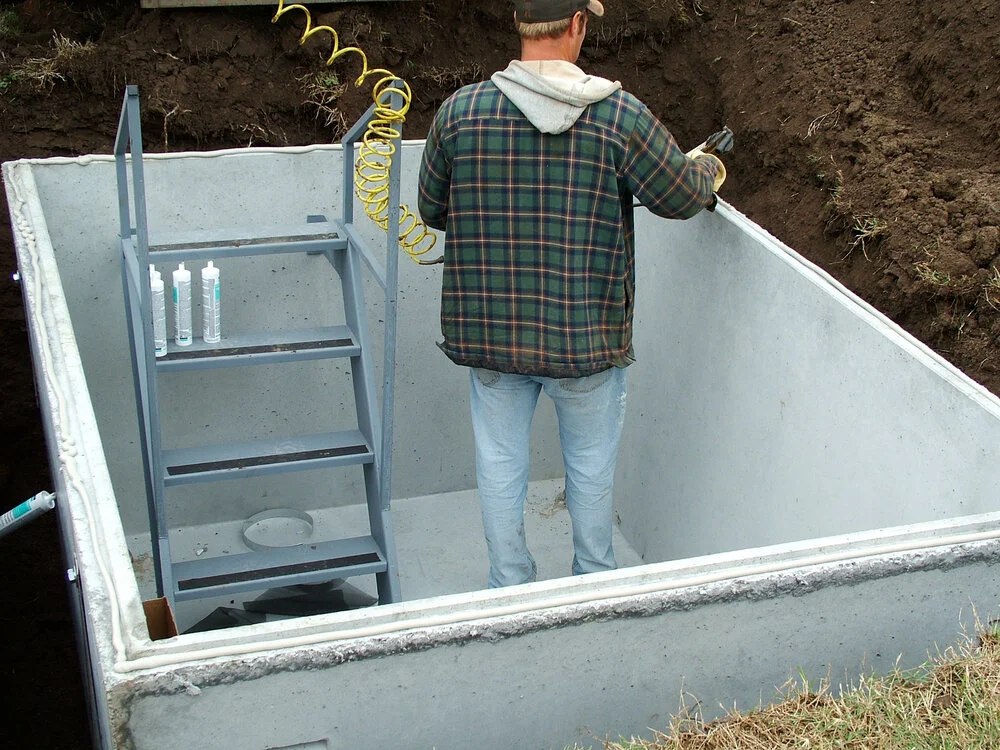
column 279, row 527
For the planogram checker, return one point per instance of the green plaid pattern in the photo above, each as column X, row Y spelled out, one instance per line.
column 539, row 270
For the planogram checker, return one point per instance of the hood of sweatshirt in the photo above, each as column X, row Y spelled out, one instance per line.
column 552, row 94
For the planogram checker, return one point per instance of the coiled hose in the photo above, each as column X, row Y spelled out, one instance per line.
column 371, row 176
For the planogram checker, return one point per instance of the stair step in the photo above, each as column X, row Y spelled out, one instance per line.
column 255, row 458
column 304, row 237
column 279, row 566
column 262, row 348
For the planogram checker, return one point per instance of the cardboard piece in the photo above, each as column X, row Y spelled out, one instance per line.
column 159, row 619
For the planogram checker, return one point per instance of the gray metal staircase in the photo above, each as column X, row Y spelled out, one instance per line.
column 368, row 446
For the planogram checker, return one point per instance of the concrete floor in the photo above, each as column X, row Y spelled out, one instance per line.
column 442, row 550
column 439, row 543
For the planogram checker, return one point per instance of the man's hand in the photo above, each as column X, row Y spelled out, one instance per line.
column 715, row 161
column 717, row 143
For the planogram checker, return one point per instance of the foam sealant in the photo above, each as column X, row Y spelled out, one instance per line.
column 182, row 306
column 159, row 312
column 211, row 293
column 26, row 201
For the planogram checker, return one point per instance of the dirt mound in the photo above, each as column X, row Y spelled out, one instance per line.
column 876, row 134
column 867, row 139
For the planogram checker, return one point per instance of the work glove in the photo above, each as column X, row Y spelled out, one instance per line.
column 720, row 168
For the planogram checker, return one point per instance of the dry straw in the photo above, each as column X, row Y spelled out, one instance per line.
column 953, row 701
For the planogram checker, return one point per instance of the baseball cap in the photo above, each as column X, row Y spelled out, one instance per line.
column 541, row 11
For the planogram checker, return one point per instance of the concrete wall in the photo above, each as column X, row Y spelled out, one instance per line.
column 433, row 451
column 576, row 675
column 766, row 405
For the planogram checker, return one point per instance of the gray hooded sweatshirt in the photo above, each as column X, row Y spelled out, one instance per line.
column 552, row 94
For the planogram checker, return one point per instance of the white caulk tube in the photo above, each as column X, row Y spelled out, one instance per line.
column 159, row 312
column 30, row 508
column 211, row 316
column 182, row 306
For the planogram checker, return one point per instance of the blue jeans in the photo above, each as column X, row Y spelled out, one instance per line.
column 591, row 411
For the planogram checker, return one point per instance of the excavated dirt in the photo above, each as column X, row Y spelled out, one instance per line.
column 866, row 138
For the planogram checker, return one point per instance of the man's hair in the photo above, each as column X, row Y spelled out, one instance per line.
column 544, row 30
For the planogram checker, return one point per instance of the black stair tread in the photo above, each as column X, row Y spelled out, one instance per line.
column 185, row 465
column 339, row 558
column 245, row 348
column 243, row 236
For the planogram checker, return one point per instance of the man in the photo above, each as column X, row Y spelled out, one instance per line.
column 532, row 177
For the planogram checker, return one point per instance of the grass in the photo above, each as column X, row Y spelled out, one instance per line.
column 865, row 231
column 697, row 10
column 10, row 27
column 992, row 289
column 832, row 182
column 827, row 120
column 950, row 703
column 322, row 90
column 7, row 79
column 926, row 272
column 44, row 72
column 10, row 23
column 455, row 76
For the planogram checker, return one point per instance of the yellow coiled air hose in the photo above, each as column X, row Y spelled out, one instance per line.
column 371, row 177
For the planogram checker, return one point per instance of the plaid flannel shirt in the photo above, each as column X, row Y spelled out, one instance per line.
column 539, row 257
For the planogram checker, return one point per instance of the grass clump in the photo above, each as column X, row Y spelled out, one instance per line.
column 865, row 232
column 951, row 702
column 322, row 90
column 455, row 76
column 926, row 272
column 44, row 72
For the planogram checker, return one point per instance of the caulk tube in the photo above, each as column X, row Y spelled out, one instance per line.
column 30, row 508
column 211, row 292
column 159, row 312
column 182, row 306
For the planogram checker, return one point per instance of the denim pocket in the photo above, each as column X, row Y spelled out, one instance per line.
column 486, row 377
column 588, row 383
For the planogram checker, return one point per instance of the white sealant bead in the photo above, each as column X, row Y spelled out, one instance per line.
column 159, row 313
column 211, row 303
column 182, row 306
